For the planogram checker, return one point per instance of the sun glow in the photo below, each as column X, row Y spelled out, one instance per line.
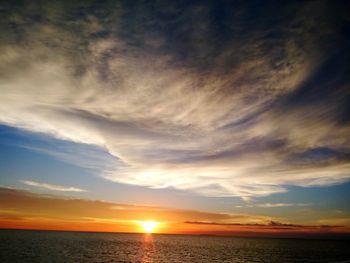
column 148, row 226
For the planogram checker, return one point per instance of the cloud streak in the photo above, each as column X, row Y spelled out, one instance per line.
column 273, row 205
column 53, row 187
column 238, row 111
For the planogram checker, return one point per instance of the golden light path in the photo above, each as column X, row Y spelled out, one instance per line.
column 148, row 226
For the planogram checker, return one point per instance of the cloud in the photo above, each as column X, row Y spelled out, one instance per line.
column 273, row 229
column 275, row 226
column 184, row 97
column 53, row 187
column 269, row 224
column 273, row 205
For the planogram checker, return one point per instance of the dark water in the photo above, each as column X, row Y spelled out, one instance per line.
column 47, row 246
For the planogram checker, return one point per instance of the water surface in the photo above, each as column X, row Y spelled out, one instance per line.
column 54, row 246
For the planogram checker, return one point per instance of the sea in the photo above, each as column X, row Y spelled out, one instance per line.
column 55, row 246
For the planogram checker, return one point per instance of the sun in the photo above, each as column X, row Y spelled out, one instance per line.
column 148, row 226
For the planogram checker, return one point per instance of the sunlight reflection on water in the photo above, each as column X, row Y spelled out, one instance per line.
column 149, row 249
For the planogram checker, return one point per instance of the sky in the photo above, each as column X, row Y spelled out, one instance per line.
column 205, row 116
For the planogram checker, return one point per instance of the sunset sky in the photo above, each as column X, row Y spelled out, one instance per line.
column 204, row 116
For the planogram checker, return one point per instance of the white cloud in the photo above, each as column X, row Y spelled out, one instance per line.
column 170, row 124
column 273, row 205
column 53, row 187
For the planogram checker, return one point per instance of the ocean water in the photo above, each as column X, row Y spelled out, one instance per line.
column 51, row 246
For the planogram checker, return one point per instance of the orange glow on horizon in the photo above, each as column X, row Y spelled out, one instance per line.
column 25, row 210
column 170, row 228
column 148, row 226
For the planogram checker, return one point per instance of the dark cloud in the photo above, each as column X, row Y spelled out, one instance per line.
column 271, row 223
column 274, row 228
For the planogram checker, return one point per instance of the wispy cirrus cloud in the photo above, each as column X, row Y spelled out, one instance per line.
column 53, row 187
column 273, row 205
column 239, row 111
